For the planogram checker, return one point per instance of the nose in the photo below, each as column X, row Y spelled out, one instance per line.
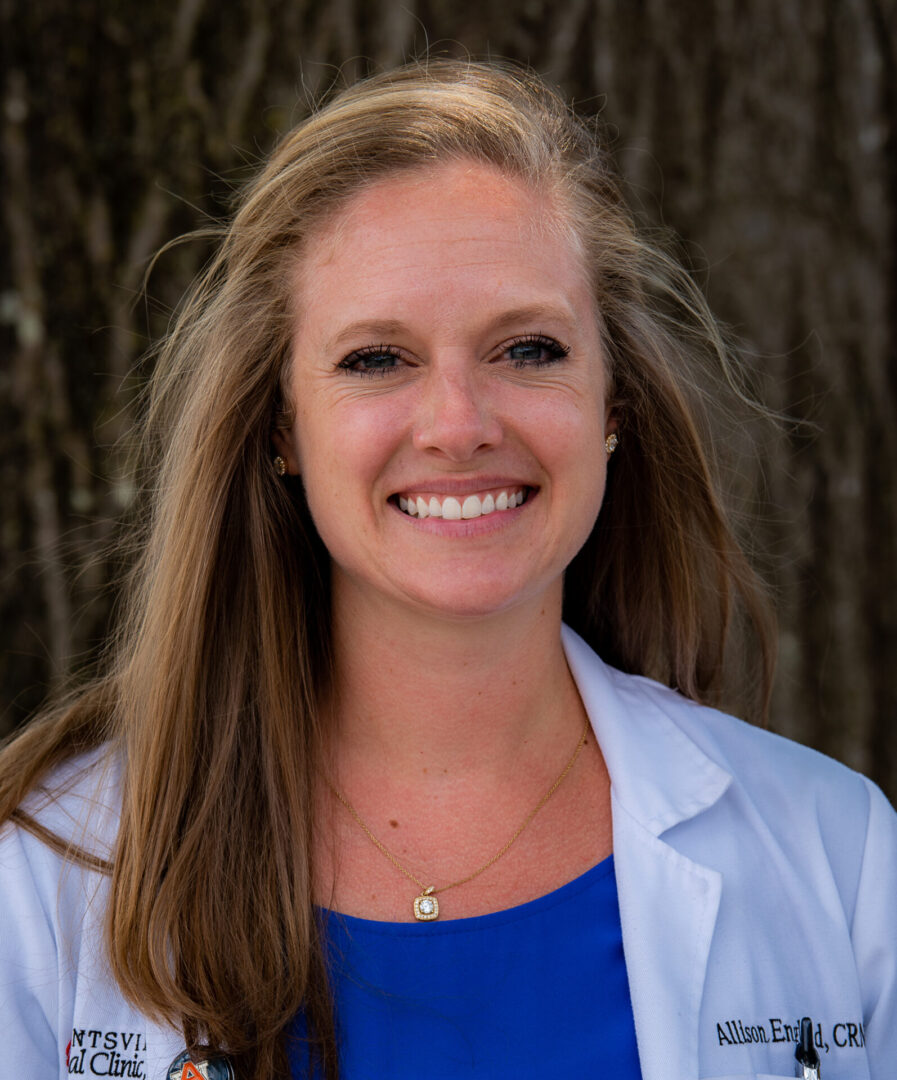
column 456, row 417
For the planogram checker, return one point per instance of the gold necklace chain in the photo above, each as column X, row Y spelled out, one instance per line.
column 426, row 906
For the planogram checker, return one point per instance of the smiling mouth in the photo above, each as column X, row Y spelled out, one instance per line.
column 470, row 506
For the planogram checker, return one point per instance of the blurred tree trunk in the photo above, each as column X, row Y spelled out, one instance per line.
column 764, row 133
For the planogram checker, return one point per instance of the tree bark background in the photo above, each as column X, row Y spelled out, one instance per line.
column 764, row 132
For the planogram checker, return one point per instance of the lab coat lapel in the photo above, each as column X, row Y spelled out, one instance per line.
column 668, row 903
column 668, row 907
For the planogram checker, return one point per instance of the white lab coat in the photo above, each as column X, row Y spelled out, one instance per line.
column 757, row 883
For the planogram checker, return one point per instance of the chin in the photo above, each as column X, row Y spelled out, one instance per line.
column 470, row 603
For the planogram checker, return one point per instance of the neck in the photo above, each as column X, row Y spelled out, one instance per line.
column 422, row 694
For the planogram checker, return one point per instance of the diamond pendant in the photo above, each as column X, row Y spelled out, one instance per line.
column 426, row 907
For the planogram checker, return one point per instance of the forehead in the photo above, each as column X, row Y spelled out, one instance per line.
column 436, row 226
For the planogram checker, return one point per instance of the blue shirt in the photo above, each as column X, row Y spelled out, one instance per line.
column 537, row 990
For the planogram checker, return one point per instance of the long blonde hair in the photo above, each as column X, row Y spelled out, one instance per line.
column 210, row 694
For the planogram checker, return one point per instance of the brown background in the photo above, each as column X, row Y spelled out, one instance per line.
column 763, row 131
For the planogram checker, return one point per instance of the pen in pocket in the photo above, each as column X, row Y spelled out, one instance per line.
column 807, row 1067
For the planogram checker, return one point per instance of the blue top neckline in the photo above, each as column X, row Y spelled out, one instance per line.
column 536, row 990
column 474, row 923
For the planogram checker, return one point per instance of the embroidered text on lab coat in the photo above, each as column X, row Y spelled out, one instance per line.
column 845, row 1034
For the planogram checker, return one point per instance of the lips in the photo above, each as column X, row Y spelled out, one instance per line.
column 462, row 507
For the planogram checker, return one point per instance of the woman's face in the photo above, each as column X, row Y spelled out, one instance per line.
column 446, row 365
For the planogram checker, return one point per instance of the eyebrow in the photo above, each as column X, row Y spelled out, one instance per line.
column 383, row 329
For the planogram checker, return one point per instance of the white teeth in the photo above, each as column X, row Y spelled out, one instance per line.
column 451, row 509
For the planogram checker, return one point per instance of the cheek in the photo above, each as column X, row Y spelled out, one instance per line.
column 580, row 469
column 344, row 448
column 572, row 435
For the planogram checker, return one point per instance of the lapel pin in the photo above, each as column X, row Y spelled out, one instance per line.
column 187, row 1066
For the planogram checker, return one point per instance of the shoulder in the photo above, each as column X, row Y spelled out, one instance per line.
column 52, row 863
column 78, row 803
column 676, row 762
column 53, row 905
column 773, row 769
column 637, row 715
column 59, row 851
column 814, row 811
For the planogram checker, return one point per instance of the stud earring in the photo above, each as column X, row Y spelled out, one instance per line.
column 611, row 443
column 280, row 466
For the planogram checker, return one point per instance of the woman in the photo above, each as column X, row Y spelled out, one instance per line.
column 348, row 799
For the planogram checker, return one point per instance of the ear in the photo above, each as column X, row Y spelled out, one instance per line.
column 282, row 445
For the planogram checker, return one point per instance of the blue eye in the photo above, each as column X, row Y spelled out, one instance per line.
column 535, row 350
column 374, row 360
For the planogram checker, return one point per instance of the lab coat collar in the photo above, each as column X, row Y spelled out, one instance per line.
column 659, row 775
column 668, row 902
